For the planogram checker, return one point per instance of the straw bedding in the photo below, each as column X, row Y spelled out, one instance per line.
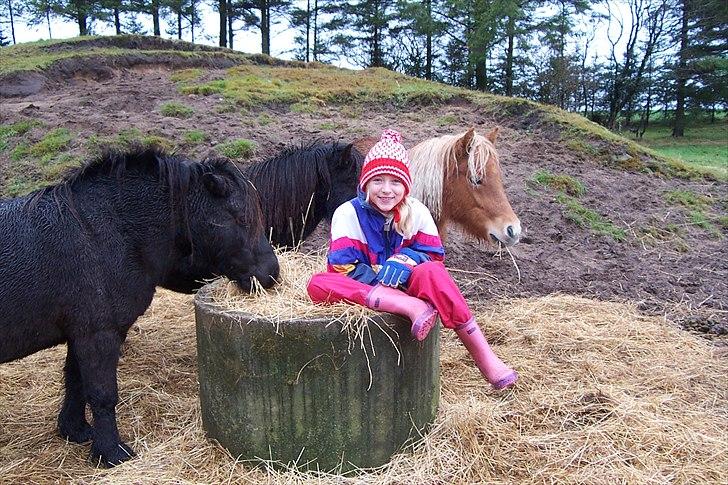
column 606, row 396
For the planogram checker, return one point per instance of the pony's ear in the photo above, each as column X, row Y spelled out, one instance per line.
column 346, row 154
column 493, row 134
column 465, row 140
column 216, row 185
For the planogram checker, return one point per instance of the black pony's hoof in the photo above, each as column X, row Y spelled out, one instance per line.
column 115, row 455
column 77, row 433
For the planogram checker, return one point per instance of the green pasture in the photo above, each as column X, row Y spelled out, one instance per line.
column 704, row 146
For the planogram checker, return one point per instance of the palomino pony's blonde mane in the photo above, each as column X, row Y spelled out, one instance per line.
column 433, row 159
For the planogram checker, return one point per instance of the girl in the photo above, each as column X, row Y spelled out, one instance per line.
column 382, row 241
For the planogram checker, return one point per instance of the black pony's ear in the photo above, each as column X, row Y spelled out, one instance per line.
column 216, row 185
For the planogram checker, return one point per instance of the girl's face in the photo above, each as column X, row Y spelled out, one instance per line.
column 385, row 192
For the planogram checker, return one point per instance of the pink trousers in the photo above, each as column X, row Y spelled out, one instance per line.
column 429, row 281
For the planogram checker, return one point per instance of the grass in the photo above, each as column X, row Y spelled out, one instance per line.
column 176, row 110
column 686, row 198
column 44, row 149
column 699, row 210
column 194, row 137
column 585, row 217
column 126, row 139
column 704, row 146
column 447, row 120
column 14, row 130
column 561, row 182
column 186, row 75
column 237, row 149
column 307, row 89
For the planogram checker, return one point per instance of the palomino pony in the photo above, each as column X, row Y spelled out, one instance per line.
column 458, row 177
column 80, row 262
column 302, row 185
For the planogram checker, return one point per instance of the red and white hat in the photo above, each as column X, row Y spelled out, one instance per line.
column 388, row 156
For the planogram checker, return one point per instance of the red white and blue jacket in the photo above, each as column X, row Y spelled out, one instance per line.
column 361, row 234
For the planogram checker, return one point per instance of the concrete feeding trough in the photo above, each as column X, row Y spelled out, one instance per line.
column 305, row 391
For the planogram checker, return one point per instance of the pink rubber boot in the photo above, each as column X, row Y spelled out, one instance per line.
column 493, row 369
column 422, row 315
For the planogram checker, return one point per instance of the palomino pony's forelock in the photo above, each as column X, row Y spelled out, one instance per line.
column 433, row 159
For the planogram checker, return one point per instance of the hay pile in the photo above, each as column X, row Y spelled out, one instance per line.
column 605, row 396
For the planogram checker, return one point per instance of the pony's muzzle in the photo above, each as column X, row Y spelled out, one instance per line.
column 508, row 235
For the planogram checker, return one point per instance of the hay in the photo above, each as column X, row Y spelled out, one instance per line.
column 606, row 396
column 289, row 300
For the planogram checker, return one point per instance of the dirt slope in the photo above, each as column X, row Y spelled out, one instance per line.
column 668, row 262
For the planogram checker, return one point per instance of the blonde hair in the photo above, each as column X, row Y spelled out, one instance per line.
column 404, row 226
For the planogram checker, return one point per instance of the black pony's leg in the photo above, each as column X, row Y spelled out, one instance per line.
column 72, row 423
column 98, row 357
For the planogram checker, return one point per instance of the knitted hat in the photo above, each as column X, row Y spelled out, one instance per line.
column 387, row 156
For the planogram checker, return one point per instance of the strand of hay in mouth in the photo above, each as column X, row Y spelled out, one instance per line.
column 606, row 396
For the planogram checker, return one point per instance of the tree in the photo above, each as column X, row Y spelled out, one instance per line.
column 185, row 15
column 83, row 12
column 701, row 68
column 10, row 12
column 258, row 14
column 3, row 40
column 38, row 12
column 314, row 25
column 643, row 38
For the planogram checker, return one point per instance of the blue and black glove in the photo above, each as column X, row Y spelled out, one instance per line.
column 415, row 256
column 396, row 270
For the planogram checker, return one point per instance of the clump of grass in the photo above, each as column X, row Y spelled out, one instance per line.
column 126, row 139
column 699, row 219
column 447, row 120
column 585, row 217
column 44, row 149
column 176, row 110
column 722, row 221
column 329, row 125
column 686, row 198
column 304, row 107
column 237, row 149
column 14, row 130
column 264, row 119
column 186, row 75
column 226, row 106
column 582, row 146
column 194, row 137
column 562, row 183
column 213, row 87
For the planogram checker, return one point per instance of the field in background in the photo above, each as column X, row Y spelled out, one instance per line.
column 704, row 146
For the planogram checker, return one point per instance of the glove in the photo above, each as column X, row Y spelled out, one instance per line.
column 364, row 273
column 396, row 270
column 416, row 256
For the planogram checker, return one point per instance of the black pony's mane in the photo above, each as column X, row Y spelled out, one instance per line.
column 175, row 174
column 288, row 182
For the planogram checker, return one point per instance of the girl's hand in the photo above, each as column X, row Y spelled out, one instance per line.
column 396, row 270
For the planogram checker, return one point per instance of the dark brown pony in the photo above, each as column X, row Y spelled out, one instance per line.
column 458, row 177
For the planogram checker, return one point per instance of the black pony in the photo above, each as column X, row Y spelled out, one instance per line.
column 303, row 185
column 79, row 262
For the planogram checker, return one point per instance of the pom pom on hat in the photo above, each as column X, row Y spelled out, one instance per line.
column 387, row 156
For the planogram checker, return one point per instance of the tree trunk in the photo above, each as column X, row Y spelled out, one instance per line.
column 231, row 34
column 48, row 21
column 192, row 21
column 308, row 30
column 511, row 32
column 155, row 17
column 481, row 79
column 81, row 19
column 428, row 53
column 678, row 128
column 222, row 8
column 265, row 27
column 315, row 30
column 12, row 20
column 117, row 20
column 179, row 25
